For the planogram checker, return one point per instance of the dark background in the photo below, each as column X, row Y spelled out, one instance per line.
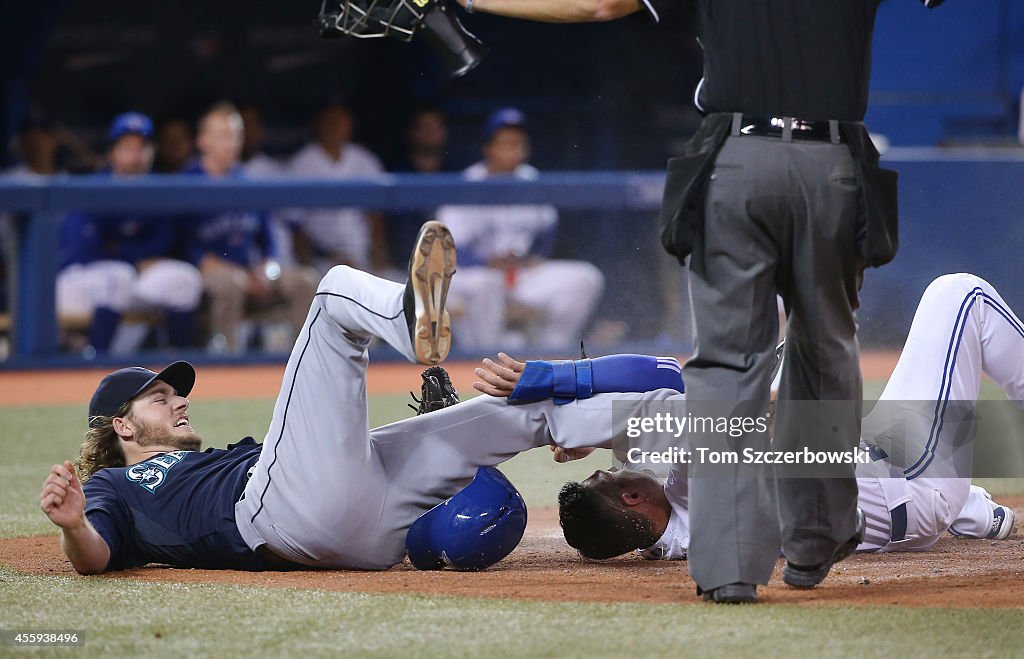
column 600, row 96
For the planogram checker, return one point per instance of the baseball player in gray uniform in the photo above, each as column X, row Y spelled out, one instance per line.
column 323, row 490
column 962, row 328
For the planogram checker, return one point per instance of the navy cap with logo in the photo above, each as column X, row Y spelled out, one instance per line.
column 121, row 386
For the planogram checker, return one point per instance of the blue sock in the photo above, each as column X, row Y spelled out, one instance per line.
column 104, row 324
column 181, row 328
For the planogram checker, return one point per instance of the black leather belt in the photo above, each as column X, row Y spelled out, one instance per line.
column 787, row 128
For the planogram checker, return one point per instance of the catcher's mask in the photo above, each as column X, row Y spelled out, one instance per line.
column 402, row 20
column 472, row 530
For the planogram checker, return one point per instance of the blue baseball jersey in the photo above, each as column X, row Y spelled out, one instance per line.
column 128, row 237
column 245, row 238
column 85, row 238
column 176, row 508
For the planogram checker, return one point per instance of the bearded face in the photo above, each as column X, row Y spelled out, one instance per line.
column 181, row 438
column 159, row 417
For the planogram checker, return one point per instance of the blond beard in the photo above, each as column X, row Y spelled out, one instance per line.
column 147, row 435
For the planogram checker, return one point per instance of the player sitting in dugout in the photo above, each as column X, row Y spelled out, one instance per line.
column 961, row 329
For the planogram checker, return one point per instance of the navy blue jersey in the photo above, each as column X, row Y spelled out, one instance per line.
column 176, row 508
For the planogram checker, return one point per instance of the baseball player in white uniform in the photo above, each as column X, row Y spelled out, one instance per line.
column 349, row 236
column 962, row 328
column 112, row 263
column 504, row 251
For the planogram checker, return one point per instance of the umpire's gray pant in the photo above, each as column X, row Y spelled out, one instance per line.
column 780, row 217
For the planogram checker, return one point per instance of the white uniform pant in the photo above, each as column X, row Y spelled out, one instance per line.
column 117, row 285
column 962, row 328
column 328, row 492
column 562, row 294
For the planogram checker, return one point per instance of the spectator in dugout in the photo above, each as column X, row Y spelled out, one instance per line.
column 111, row 263
column 505, row 276
column 325, row 237
column 425, row 152
column 256, row 163
column 236, row 251
column 174, row 145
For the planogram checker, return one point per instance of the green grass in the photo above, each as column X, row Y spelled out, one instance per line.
column 180, row 619
column 122, row 617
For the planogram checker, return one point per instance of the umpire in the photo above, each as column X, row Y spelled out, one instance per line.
column 778, row 192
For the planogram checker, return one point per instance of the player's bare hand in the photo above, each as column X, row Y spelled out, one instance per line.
column 499, row 379
column 62, row 498
column 568, row 454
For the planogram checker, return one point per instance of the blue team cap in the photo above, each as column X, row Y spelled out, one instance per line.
column 504, row 118
column 130, row 123
column 121, row 386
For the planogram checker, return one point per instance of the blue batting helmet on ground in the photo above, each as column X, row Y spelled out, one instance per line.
column 472, row 530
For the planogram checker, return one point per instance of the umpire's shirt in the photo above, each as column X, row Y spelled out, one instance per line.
column 760, row 58
column 795, row 203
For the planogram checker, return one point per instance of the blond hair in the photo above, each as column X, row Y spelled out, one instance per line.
column 101, row 447
column 222, row 109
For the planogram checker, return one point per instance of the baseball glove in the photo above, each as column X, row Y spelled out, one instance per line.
column 436, row 393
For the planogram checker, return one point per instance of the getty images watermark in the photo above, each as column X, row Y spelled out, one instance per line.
column 747, row 456
column 668, row 424
column 821, row 439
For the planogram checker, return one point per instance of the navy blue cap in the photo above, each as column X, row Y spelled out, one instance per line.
column 121, row 386
column 504, row 118
column 130, row 123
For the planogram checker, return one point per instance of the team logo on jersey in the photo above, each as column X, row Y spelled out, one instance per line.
column 152, row 473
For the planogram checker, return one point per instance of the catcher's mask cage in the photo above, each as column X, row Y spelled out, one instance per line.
column 370, row 19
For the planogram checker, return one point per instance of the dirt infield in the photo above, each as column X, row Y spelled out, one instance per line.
column 241, row 382
column 955, row 573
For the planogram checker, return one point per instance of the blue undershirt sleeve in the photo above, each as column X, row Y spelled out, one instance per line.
column 566, row 380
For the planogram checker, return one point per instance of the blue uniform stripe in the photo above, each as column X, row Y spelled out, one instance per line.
column 937, row 423
column 945, row 385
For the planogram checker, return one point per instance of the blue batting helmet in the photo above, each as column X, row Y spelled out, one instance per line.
column 472, row 530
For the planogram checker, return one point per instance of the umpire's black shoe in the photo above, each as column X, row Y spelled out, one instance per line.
column 733, row 593
column 431, row 267
column 800, row 576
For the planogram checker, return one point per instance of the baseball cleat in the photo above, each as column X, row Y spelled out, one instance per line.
column 733, row 593
column 1002, row 523
column 800, row 576
column 431, row 267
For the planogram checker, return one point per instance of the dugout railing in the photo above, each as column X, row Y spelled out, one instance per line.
column 39, row 206
column 960, row 211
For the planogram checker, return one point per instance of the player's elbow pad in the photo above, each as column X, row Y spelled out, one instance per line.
column 568, row 380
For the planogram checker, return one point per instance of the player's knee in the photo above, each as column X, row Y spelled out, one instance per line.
column 175, row 285
column 955, row 285
column 585, row 281
column 336, row 278
column 118, row 282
